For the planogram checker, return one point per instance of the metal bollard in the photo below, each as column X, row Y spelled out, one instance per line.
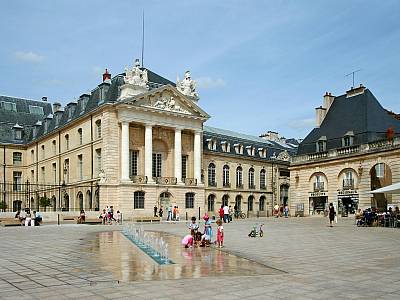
column 58, row 219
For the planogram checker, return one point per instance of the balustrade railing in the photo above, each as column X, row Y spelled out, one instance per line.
column 263, row 187
column 139, row 178
column 348, row 183
column 252, row 186
column 239, row 185
column 317, row 155
column 226, row 184
column 165, row 180
column 348, row 150
column 189, row 181
column 211, row 183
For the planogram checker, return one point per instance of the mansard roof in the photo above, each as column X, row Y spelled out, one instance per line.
column 360, row 113
column 273, row 148
column 26, row 114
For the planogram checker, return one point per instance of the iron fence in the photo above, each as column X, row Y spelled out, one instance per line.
column 63, row 197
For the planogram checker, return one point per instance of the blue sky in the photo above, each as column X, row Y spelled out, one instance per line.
column 259, row 65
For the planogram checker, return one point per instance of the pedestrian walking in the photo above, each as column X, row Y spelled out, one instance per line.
column 332, row 214
column 169, row 212
column 286, row 211
column 155, row 210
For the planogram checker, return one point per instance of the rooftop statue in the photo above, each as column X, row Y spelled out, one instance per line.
column 136, row 76
column 186, row 86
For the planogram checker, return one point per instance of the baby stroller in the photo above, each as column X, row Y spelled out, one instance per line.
column 366, row 220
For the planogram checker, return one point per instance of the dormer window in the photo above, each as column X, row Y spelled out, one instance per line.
column 36, row 110
column 17, row 132
column 321, row 144
column 250, row 150
column 69, row 112
column 238, row 148
column 226, row 146
column 262, row 152
column 8, row 106
column 211, row 144
column 347, row 140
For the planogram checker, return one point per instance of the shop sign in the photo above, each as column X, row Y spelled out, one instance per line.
column 347, row 192
column 317, row 194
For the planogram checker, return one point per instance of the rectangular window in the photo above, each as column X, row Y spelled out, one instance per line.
column 80, row 136
column 184, row 166
column 99, row 129
column 80, row 167
column 43, row 175
column 66, row 170
column 32, row 176
column 157, row 165
column 67, row 142
column 18, row 134
column 32, row 156
column 98, row 154
column 17, row 158
column 8, row 106
column 189, row 203
column 36, row 110
column 17, row 180
column 43, row 153
column 138, row 200
column 133, row 162
column 54, row 173
column 54, row 147
column 379, row 170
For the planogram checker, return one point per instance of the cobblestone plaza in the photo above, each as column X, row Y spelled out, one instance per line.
column 298, row 258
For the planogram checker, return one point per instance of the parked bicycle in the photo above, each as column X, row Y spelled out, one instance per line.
column 241, row 215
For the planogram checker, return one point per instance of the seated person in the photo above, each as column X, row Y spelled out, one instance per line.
column 36, row 218
column 81, row 218
column 202, row 240
column 188, row 240
column 20, row 217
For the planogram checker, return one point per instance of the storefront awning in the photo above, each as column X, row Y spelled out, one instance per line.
column 390, row 189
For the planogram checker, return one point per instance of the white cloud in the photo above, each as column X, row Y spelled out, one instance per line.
column 55, row 82
column 97, row 71
column 299, row 124
column 207, row 82
column 30, row 57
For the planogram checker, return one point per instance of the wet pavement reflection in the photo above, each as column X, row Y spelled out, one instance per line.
column 117, row 254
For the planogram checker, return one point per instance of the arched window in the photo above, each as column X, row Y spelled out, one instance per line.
column 239, row 178
column 250, row 202
column 238, row 202
column 138, row 200
column 262, row 179
column 225, row 177
column 210, row 203
column 189, row 200
column 251, row 179
column 262, row 203
column 66, row 142
column 225, row 200
column 211, row 175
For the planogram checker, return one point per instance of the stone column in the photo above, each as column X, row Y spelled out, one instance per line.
column 125, row 151
column 148, row 152
column 178, row 155
column 197, row 156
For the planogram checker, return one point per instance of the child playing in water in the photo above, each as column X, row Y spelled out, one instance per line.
column 220, row 234
column 188, row 240
column 207, row 227
column 193, row 226
column 202, row 240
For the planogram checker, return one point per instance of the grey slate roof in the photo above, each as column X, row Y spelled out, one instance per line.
column 92, row 101
column 233, row 138
column 361, row 113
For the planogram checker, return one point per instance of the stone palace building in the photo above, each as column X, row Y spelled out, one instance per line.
column 135, row 141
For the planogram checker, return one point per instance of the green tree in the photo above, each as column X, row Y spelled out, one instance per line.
column 44, row 202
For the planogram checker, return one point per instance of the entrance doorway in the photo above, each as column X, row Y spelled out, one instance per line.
column 317, row 205
column 284, row 192
column 164, row 200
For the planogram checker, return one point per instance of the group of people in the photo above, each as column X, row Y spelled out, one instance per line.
column 173, row 213
column 372, row 214
column 225, row 213
column 160, row 211
column 33, row 218
column 279, row 210
column 108, row 216
column 199, row 239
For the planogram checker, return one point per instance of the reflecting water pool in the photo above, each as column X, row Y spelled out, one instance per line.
column 117, row 254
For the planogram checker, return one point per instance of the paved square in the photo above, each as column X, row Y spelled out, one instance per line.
column 298, row 258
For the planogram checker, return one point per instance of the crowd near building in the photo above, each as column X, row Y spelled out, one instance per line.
column 138, row 140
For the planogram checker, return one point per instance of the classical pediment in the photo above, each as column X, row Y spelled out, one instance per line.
column 166, row 99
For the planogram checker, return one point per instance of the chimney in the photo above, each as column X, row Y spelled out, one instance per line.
column 282, row 139
column 355, row 91
column 106, row 75
column 56, row 106
column 328, row 100
column 320, row 114
column 44, row 99
column 390, row 132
